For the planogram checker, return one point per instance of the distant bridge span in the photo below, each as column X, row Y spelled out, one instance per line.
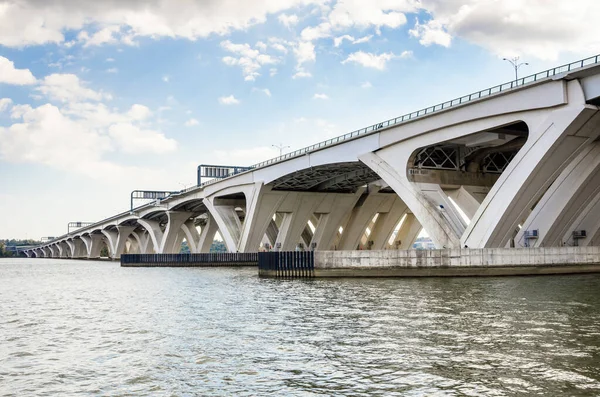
column 515, row 164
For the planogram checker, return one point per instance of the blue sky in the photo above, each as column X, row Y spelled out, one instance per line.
column 101, row 98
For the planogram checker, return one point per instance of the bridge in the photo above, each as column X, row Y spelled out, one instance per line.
column 513, row 165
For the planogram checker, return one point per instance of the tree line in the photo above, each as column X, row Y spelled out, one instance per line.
column 5, row 243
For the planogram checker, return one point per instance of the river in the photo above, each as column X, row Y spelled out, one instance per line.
column 93, row 328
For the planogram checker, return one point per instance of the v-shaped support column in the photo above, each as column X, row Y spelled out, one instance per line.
column 165, row 242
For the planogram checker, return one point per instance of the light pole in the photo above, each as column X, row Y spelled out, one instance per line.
column 280, row 147
column 515, row 62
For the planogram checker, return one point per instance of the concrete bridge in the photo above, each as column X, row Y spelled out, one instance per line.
column 512, row 165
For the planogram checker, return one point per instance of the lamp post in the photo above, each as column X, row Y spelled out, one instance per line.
column 280, row 147
column 515, row 63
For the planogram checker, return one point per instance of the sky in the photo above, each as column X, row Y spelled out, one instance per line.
column 99, row 98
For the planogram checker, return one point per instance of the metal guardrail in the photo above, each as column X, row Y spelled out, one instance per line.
column 402, row 119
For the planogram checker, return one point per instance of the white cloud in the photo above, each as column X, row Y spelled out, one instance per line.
column 320, row 96
column 19, row 111
column 337, row 41
column 107, row 35
column 139, row 112
column 301, row 74
column 46, row 136
column 133, row 139
column 228, row 100
column 5, row 104
column 431, row 33
column 272, row 72
column 540, row 28
column 249, row 59
column 191, row 122
column 112, row 70
column 305, row 52
column 279, row 47
column 265, row 91
column 261, row 46
column 363, row 39
column 370, row 60
column 109, row 60
column 363, row 14
column 366, row 84
column 316, row 32
column 166, row 78
column 35, row 22
column 288, row 20
column 11, row 75
column 68, row 88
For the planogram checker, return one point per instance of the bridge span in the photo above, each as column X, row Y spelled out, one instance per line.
column 513, row 165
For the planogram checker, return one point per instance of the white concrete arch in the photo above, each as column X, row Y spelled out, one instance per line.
column 556, row 213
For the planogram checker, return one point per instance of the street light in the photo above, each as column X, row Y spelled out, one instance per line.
column 515, row 62
column 280, row 147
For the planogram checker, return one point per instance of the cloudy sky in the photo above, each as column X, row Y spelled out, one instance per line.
column 98, row 98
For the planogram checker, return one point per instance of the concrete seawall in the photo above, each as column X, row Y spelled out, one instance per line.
column 457, row 262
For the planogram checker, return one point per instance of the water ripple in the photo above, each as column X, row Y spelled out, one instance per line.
column 93, row 328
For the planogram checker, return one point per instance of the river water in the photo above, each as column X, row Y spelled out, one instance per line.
column 94, row 328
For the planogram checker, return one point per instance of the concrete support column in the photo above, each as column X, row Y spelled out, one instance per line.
column 87, row 241
column 63, row 250
column 95, row 245
column 588, row 220
column 165, row 242
column 550, row 148
column 53, row 251
column 362, row 216
column 392, row 169
column 556, row 214
column 191, row 235
column 134, row 246
column 228, row 222
column 46, row 252
column 329, row 223
column 80, row 250
column 468, row 198
column 408, row 232
column 386, row 223
column 261, row 205
column 71, row 250
column 143, row 242
column 294, row 222
column 200, row 242
column 117, row 239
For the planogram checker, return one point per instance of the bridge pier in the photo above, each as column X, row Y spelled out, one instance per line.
column 468, row 198
column 116, row 240
column 327, row 227
column 391, row 167
column 200, row 242
column 165, row 242
column 551, row 146
column 555, row 214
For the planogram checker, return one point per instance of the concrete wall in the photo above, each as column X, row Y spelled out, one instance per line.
column 457, row 262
